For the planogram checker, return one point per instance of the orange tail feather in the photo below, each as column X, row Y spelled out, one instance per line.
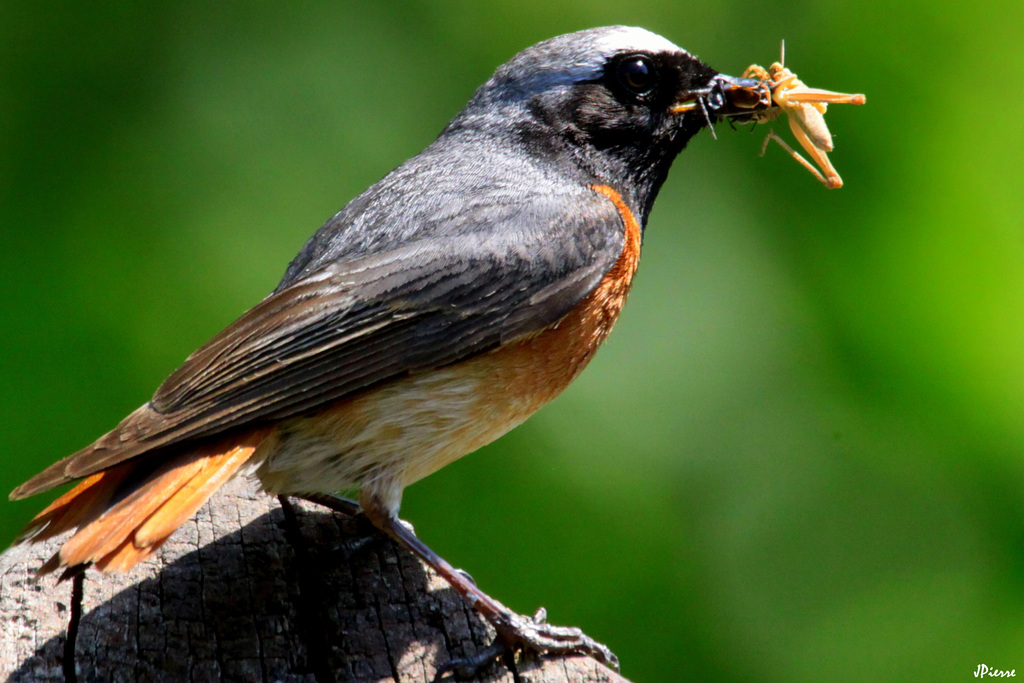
column 119, row 536
column 90, row 498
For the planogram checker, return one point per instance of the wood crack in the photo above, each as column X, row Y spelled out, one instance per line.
column 384, row 630
column 74, row 619
column 310, row 621
column 249, row 579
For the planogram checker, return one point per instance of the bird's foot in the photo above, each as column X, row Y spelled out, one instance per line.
column 517, row 632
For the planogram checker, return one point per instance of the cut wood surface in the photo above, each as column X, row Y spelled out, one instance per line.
column 251, row 589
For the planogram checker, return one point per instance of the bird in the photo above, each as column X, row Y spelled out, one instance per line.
column 432, row 314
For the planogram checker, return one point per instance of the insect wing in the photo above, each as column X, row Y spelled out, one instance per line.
column 811, row 120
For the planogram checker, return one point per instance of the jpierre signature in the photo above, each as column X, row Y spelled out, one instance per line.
column 985, row 670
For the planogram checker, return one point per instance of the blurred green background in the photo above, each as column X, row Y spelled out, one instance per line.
column 800, row 456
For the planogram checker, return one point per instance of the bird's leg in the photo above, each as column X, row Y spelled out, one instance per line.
column 368, row 532
column 340, row 504
column 515, row 631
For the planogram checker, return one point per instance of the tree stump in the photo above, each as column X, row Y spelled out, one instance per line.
column 251, row 589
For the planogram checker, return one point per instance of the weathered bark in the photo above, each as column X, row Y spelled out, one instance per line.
column 250, row 590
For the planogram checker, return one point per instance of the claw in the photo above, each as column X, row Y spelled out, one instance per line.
column 472, row 667
column 466, row 575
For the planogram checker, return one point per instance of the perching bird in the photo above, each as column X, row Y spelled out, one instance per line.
column 435, row 312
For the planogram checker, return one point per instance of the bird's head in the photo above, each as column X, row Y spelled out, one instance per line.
column 619, row 103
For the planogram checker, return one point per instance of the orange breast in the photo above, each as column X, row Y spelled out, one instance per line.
column 390, row 437
column 541, row 366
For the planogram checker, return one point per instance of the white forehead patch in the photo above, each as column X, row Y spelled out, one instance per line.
column 582, row 56
column 628, row 38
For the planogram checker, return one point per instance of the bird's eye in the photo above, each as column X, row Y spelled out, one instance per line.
column 637, row 74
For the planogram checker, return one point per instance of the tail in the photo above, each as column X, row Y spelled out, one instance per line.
column 124, row 513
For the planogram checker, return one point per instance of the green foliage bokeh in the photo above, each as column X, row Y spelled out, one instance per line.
column 801, row 454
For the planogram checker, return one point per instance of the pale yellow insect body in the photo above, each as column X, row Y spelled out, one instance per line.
column 805, row 109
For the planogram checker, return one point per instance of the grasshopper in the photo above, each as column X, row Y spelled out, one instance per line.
column 805, row 108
